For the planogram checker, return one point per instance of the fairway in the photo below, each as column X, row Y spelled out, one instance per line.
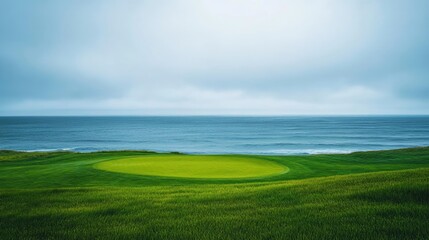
column 195, row 166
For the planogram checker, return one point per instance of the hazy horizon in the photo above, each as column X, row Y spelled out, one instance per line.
column 214, row 58
column 224, row 115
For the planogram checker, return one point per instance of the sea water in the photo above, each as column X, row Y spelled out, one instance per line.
column 216, row 135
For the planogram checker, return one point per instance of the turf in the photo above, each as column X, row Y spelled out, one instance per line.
column 195, row 166
column 367, row 195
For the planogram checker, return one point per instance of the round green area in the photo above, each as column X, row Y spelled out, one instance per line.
column 195, row 166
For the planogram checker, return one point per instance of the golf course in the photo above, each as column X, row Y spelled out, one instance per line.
column 149, row 195
column 203, row 167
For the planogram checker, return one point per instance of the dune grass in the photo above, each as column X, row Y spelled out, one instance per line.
column 367, row 195
column 194, row 166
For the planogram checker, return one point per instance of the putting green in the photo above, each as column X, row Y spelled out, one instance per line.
column 187, row 166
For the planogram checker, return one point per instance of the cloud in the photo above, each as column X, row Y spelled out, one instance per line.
column 214, row 57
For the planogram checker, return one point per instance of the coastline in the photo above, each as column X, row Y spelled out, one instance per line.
column 298, row 152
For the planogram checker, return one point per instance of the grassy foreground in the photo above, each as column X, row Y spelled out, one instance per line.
column 367, row 195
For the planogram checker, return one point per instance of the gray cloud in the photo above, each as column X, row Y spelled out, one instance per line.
column 214, row 57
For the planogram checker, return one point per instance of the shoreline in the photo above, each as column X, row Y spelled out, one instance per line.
column 298, row 153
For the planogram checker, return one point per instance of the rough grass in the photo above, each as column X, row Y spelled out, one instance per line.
column 371, row 195
column 194, row 166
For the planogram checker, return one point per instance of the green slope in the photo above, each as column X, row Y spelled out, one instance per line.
column 368, row 195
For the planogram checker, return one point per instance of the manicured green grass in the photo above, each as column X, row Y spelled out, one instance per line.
column 367, row 195
column 194, row 166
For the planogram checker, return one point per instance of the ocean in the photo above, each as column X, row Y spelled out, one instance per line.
column 215, row 135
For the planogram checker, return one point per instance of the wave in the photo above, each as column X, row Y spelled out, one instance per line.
column 309, row 151
column 285, row 152
column 263, row 152
column 296, row 144
column 280, row 152
column 48, row 150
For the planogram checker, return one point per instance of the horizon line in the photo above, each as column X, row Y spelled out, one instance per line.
column 229, row 115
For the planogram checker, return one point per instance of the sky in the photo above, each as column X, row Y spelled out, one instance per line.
column 219, row 57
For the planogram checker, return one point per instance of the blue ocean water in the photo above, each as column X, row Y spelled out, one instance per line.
column 261, row 135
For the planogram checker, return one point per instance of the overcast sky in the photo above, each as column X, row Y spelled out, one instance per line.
column 240, row 57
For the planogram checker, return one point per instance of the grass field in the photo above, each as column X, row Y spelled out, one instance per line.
column 364, row 195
